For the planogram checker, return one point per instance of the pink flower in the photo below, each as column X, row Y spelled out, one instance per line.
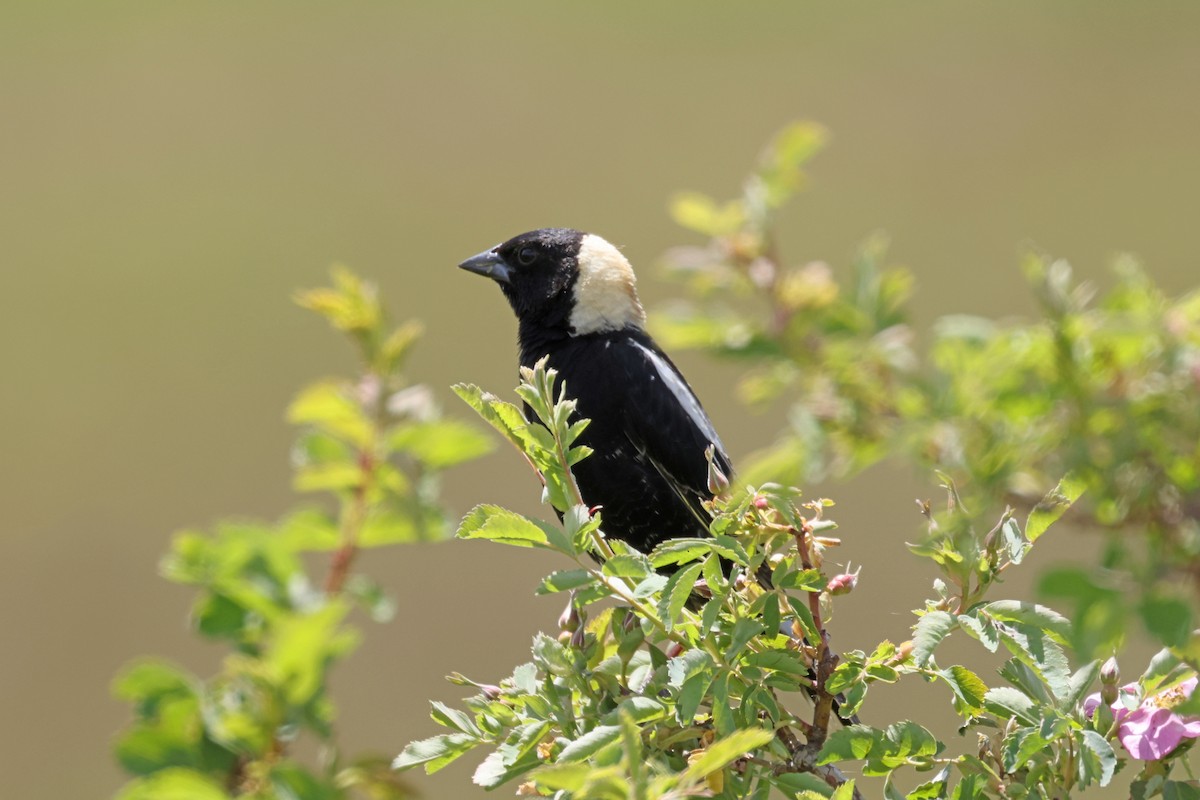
column 1152, row 730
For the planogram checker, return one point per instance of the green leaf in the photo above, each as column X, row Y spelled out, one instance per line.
column 500, row 525
column 1053, row 506
column 148, row 682
column 807, row 580
column 387, row 526
column 687, row 665
column 503, row 416
column 700, row 213
column 627, row 565
column 436, row 751
column 1098, row 762
column 1020, row 746
column 290, row 781
column 174, row 784
column 564, row 777
column 785, row 661
column 552, row 655
column 328, row 406
column 440, row 444
column 1038, row 650
column 1081, row 681
column 982, row 628
column 1039, row 616
column 805, row 618
column 722, row 751
column 494, row 771
column 851, row 743
column 588, row 744
column 676, row 594
column 565, row 580
column 969, row 689
column 1168, row 618
column 453, row 718
column 797, row 784
column 1008, row 703
column 931, row 628
column 302, row 647
column 744, row 630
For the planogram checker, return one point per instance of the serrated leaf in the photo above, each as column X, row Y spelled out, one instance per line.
column 500, row 525
column 627, row 565
column 807, row 580
column 691, row 695
column 851, row 743
column 969, row 689
column 1007, row 703
column 1039, row 616
column 565, row 580
column 686, row 665
column 1081, row 681
column 718, row 754
column 743, row 631
column 453, row 718
column 1098, row 762
column 981, row 628
column 1053, row 506
column 503, row 416
column 676, row 594
column 931, row 628
column 440, row 444
column 785, row 661
column 439, row 749
column 1021, row 745
column 588, row 744
column 493, row 771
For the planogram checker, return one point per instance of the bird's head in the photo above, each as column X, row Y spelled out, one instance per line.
column 561, row 277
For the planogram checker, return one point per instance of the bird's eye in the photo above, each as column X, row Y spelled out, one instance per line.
column 527, row 255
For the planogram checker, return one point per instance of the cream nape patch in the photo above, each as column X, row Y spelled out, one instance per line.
column 605, row 289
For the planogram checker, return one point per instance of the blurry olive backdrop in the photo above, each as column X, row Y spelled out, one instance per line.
column 171, row 172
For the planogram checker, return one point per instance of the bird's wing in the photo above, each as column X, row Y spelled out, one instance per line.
column 670, row 427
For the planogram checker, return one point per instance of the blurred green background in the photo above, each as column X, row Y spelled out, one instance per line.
column 171, row 172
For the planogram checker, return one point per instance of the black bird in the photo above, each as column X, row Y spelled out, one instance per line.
column 576, row 302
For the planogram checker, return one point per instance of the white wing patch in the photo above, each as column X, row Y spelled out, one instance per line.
column 605, row 290
column 682, row 394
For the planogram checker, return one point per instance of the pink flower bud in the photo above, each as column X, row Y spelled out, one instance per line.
column 569, row 620
column 674, row 649
column 1110, row 680
column 761, row 503
column 578, row 638
column 842, row 584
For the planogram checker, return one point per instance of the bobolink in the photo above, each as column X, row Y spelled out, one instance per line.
column 576, row 303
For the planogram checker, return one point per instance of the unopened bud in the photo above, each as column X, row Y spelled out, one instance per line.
column 761, row 502
column 570, row 619
column 578, row 638
column 903, row 651
column 843, row 584
column 674, row 649
column 718, row 481
column 1110, row 672
column 490, row 691
column 1110, row 677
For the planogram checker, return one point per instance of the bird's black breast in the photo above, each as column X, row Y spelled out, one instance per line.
column 648, row 434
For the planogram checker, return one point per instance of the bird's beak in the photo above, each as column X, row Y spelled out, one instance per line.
column 489, row 263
